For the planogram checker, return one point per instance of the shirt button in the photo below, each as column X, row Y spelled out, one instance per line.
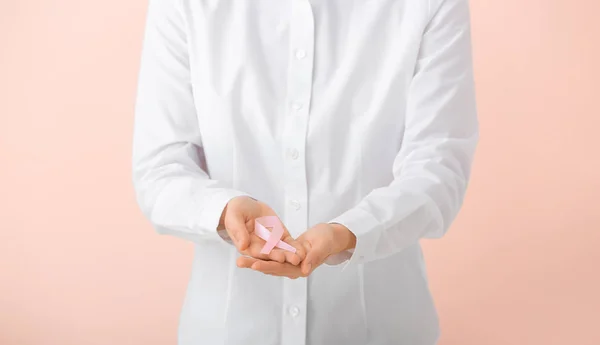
column 295, row 204
column 294, row 154
column 300, row 54
column 297, row 106
column 294, row 311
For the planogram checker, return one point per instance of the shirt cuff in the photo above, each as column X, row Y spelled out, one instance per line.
column 367, row 230
column 225, row 236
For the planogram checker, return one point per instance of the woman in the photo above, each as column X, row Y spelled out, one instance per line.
column 354, row 121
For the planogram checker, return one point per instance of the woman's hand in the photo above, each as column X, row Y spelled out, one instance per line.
column 238, row 219
column 319, row 242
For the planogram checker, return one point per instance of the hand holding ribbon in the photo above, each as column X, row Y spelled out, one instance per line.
column 246, row 221
column 320, row 242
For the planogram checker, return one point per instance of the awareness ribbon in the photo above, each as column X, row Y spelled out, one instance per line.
column 273, row 238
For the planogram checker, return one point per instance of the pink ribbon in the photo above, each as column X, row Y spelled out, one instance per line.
column 273, row 238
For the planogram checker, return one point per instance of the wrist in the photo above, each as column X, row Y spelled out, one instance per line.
column 343, row 238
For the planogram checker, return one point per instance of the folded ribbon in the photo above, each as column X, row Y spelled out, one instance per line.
column 273, row 237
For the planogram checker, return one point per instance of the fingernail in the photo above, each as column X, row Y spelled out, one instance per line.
column 309, row 267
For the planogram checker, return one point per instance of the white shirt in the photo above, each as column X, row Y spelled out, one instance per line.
column 360, row 112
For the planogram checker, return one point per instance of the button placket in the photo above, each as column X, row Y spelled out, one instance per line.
column 294, row 311
column 301, row 55
column 296, row 205
column 297, row 106
column 293, row 154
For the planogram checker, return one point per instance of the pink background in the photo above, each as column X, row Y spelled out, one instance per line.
column 79, row 264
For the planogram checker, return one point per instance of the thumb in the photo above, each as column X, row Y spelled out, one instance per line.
column 316, row 253
column 236, row 228
column 295, row 258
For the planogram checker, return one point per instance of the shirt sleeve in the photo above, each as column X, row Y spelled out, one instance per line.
column 173, row 190
column 432, row 169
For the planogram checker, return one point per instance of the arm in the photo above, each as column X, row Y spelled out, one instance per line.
column 432, row 169
column 172, row 189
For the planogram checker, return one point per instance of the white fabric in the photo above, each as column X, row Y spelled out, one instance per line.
column 360, row 112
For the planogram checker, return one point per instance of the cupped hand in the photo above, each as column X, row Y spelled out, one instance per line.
column 320, row 242
column 238, row 218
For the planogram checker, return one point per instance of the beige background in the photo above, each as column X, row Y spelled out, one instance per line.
column 79, row 264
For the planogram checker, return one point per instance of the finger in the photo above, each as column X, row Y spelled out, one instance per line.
column 315, row 255
column 277, row 255
column 236, row 228
column 298, row 256
column 293, row 258
column 245, row 262
column 269, row 267
column 255, row 248
column 277, row 269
